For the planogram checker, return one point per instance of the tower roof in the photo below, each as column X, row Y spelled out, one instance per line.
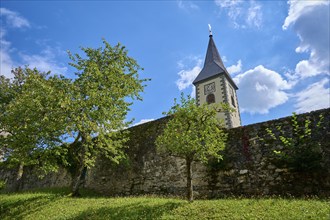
column 213, row 65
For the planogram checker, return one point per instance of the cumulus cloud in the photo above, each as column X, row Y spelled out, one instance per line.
column 261, row 89
column 188, row 72
column 315, row 96
column 142, row 121
column 309, row 20
column 243, row 14
column 187, row 77
column 297, row 8
column 235, row 68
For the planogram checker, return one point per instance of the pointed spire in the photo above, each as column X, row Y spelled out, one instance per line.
column 212, row 55
column 213, row 64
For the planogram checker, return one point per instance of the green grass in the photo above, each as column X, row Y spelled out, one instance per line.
column 56, row 204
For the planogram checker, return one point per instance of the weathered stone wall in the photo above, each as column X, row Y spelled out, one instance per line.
column 248, row 167
column 30, row 179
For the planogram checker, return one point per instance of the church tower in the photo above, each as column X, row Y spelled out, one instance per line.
column 214, row 85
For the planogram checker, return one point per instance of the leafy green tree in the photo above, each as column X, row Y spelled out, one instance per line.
column 48, row 116
column 301, row 143
column 193, row 133
column 97, row 104
column 28, row 133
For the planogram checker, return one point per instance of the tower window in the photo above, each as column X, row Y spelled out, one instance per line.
column 232, row 96
column 210, row 98
column 233, row 101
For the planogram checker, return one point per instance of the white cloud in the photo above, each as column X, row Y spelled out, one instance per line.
column 261, row 89
column 242, row 14
column 13, row 19
column 193, row 92
column 316, row 96
column 233, row 9
column 254, row 15
column 187, row 77
column 187, row 5
column 297, row 8
column 227, row 3
column 308, row 68
column 6, row 63
column 224, row 59
column 188, row 74
column 142, row 121
column 2, row 32
column 44, row 61
column 9, row 19
column 235, row 68
column 309, row 21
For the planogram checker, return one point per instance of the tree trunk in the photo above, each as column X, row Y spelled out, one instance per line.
column 79, row 170
column 190, row 196
column 78, row 179
column 19, row 175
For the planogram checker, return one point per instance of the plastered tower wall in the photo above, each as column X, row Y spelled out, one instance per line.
column 224, row 93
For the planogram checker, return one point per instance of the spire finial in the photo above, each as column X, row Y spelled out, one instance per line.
column 210, row 30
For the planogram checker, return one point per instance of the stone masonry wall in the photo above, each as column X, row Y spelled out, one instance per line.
column 246, row 170
column 248, row 167
column 31, row 181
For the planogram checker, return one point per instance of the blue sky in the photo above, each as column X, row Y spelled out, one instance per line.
column 276, row 51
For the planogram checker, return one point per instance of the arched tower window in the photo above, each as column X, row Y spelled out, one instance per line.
column 210, row 98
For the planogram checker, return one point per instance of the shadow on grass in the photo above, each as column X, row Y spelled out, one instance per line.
column 19, row 208
column 139, row 210
column 59, row 191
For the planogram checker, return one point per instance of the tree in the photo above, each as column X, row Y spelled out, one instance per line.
column 82, row 118
column 97, row 104
column 193, row 133
column 28, row 131
column 300, row 143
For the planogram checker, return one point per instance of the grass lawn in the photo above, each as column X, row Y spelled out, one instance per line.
column 56, row 204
